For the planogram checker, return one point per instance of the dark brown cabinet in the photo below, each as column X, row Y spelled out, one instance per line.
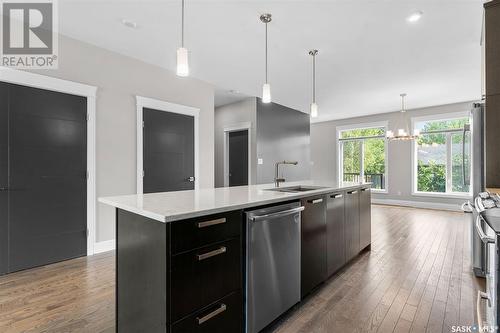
column 492, row 47
column 204, row 275
column 492, row 135
column 335, row 232
column 222, row 316
column 351, row 231
column 492, row 71
column 365, row 225
column 313, row 243
column 184, row 276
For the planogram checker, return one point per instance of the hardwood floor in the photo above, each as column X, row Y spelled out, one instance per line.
column 416, row 278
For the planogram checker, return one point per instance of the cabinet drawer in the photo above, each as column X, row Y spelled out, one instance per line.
column 225, row 315
column 492, row 48
column 201, row 231
column 203, row 276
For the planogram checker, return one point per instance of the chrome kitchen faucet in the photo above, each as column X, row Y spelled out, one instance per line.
column 278, row 180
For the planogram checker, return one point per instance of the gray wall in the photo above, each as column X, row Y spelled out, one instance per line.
column 119, row 79
column 324, row 152
column 282, row 134
column 228, row 116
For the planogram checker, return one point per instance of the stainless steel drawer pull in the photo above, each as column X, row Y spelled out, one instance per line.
column 315, row 201
column 480, row 296
column 484, row 238
column 336, row 196
column 211, row 223
column 364, row 189
column 352, row 192
column 213, row 253
column 212, row 314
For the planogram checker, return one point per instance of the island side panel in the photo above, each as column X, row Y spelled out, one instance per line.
column 142, row 282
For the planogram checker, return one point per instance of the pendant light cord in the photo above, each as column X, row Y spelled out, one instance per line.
column 314, row 79
column 266, row 55
column 182, row 29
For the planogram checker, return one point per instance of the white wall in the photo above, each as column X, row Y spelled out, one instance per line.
column 119, row 79
column 231, row 115
column 325, row 162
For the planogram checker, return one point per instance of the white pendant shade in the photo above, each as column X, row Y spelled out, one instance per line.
column 314, row 110
column 266, row 93
column 182, row 62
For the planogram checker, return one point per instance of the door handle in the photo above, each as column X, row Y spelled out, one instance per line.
column 190, row 179
column 484, row 238
column 467, row 207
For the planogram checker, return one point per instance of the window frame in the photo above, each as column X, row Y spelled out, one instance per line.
column 414, row 158
column 340, row 152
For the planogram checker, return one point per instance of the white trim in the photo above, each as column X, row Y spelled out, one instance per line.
column 417, row 204
column 414, row 158
column 340, row 153
column 374, row 124
column 145, row 102
column 441, row 117
column 72, row 88
column 104, row 246
column 233, row 128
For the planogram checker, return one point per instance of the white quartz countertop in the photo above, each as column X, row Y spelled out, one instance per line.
column 179, row 205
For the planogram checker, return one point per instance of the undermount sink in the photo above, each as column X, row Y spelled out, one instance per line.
column 296, row 189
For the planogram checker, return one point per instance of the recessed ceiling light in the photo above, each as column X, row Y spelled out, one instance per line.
column 129, row 24
column 415, row 17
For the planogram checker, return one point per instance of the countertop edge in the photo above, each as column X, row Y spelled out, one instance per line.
column 205, row 212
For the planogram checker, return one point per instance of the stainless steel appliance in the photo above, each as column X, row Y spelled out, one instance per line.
column 487, row 225
column 473, row 136
column 272, row 264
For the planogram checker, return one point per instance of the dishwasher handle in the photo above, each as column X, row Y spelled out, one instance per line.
column 277, row 214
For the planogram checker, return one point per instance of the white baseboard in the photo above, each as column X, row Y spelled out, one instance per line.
column 104, row 246
column 417, row 204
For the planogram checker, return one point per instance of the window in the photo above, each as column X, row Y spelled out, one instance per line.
column 442, row 156
column 362, row 155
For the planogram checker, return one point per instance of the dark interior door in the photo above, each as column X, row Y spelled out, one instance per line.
column 168, row 151
column 47, row 210
column 238, row 158
column 4, row 167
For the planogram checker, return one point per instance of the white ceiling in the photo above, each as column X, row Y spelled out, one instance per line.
column 368, row 52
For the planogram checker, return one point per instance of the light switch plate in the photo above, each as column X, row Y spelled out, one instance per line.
column 260, row 161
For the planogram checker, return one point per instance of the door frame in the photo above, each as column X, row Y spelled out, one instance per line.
column 236, row 128
column 28, row 79
column 156, row 104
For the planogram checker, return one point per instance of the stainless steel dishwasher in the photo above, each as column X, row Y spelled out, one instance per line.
column 272, row 263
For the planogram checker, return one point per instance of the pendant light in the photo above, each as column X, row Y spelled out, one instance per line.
column 403, row 133
column 266, row 88
column 182, row 52
column 314, row 106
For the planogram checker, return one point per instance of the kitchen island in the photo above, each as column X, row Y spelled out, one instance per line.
column 181, row 257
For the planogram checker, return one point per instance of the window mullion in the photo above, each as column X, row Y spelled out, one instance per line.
column 449, row 163
column 362, row 161
column 341, row 160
